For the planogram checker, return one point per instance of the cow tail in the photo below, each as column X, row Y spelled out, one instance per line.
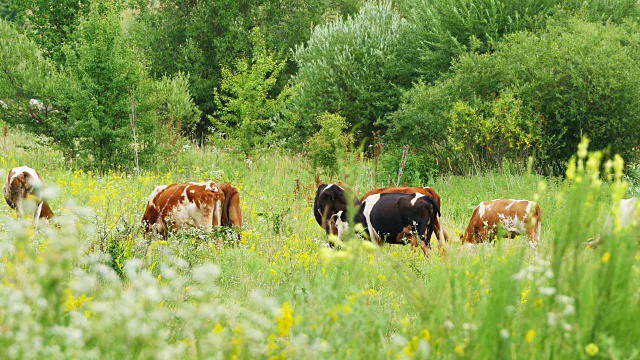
column 433, row 218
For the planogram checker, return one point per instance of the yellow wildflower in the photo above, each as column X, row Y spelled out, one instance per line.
column 425, row 334
column 460, row 349
column 217, row 329
column 523, row 297
column 285, row 320
column 592, row 349
column 531, row 335
column 606, row 257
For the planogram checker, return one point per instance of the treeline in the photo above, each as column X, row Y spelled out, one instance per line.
column 443, row 85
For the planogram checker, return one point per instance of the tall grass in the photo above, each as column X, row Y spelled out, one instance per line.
column 88, row 289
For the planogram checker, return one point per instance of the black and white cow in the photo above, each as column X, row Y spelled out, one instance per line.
column 395, row 219
column 330, row 199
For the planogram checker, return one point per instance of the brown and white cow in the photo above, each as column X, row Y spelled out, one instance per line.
column 516, row 216
column 189, row 204
column 440, row 232
column 22, row 185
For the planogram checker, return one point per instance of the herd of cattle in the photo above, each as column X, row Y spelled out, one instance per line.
column 401, row 215
column 393, row 215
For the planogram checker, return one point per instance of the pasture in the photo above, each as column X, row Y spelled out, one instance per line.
column 88, row 290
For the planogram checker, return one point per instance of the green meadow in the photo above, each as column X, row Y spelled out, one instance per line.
column 87, row 287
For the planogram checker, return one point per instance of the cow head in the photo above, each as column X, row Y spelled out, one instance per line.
column 338, row 223
column 330, row 199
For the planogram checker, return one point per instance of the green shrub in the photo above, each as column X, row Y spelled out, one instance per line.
column 328, row 147
column 248, row 110
column 447, row 29
column 90, row 98
column 404, row 167
column 574, row 78
column 354, row 67
column 494, row 132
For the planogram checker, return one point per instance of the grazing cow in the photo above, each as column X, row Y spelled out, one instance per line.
column 231, row 212
column 329, row 200
column 395, row 219
column 180, row 205
column 441, row 234
column 25, row 183
column 516, row 216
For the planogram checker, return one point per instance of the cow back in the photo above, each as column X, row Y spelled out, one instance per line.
column 393, row 213
column 424, row 190
column 22, row 182
column 177, row 205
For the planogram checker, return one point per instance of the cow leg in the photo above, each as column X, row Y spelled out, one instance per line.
column 441, row 235
column 532, row 234
column 426, row 249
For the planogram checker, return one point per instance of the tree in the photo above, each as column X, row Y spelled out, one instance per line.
column 51, row 22
column 248, row 111
column 200, row 38
column 574, row 78
column 6, row 12
column 447, row 29
column 353, row 67
column 85, row 104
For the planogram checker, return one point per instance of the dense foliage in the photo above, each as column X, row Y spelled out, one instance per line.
column 201, row 39
column 567, row 83
column 447, row 29
column 354, row 67
column 466, row 85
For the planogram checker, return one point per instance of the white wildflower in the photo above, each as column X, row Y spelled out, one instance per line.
column 519, row 275
column 469, row 327
column 424, row 348
column 448, row 324
column 206, row 273
column 504, row 334
column 569, row 309
column 564, row 299
column 548, row 291
column 398, row 340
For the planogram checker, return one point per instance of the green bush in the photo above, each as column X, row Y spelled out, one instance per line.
column 248, row 109
column 88, row 100
column 574, row 78
column 354, row 67
column 330, row 144
column 494, row 132
column 404, row 167
column 447, row 29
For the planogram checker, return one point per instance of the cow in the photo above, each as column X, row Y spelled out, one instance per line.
column 231, row 212
column 24, row 184
column 394, row 218
column 177, row 206
column 441, row 234
column 516, row 216
column 331, row 198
